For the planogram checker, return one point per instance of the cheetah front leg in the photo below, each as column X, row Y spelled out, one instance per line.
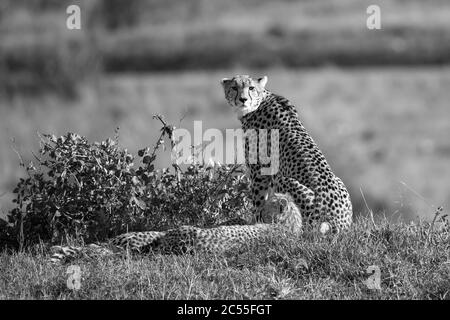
column 260, row 186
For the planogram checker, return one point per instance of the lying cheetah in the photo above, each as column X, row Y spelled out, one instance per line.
column 302, row 171
column 279, row 213
column 134, row 241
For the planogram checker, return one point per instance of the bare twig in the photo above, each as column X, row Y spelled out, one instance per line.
column 417, row 194
column 182, row 118
column 116, row 135
column 163, row 133
column 13, row 147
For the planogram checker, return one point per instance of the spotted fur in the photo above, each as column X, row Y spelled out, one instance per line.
column 303, row 170
column 281, row 209
column 134, row 241
column 279, row 213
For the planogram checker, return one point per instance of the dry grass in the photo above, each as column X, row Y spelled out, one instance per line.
column 288, row 267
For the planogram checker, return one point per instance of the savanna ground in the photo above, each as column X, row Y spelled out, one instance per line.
column 414, row 263
column 365, row 139
column 383, row 124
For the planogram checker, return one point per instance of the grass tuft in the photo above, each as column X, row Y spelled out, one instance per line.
column 308, row 266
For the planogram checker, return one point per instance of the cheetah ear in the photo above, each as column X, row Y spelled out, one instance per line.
column 271, row 192
column 224, row 81
column 262, row 81
column 284, row 202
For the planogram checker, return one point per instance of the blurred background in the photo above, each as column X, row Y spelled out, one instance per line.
column 377, row 102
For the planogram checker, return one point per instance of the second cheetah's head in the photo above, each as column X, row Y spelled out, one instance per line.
column 281, row 209
column 243, row 93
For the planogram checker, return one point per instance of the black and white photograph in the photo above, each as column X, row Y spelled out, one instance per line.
column 234, row 151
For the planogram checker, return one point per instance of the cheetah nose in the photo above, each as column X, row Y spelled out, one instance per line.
column 242, row 100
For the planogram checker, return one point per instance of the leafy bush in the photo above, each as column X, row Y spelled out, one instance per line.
column 7, row 239
column 91, row 191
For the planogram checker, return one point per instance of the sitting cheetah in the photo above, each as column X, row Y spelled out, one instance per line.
column 302, row 171
column 279, row 214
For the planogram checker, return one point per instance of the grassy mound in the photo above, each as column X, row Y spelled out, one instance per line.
column 413, row 260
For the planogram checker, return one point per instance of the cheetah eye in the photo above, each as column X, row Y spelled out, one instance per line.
column 234, row 88
column 251, row 88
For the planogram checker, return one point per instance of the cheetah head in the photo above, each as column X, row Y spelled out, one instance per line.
column 281, row 209
column 243, row 93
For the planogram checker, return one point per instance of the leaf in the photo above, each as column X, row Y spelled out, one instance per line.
column 146, row 159
column 142, row 152
column 141, row 204
column 135, row 180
